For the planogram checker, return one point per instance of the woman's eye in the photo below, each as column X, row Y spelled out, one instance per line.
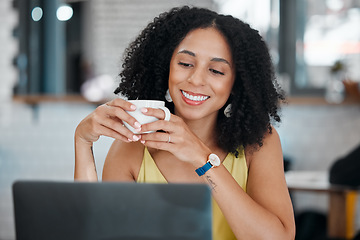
column 185, row 64
column 216, row 72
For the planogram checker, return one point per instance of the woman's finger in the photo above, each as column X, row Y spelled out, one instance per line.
column 160, row 113
column 158, row 125
column 118, row 102
column 158, row 137
column 159, row 140
column 174, row 124
column 159, row 145
column 108, row 132
column 116, row 126
column 106, row 116
column 114, row 111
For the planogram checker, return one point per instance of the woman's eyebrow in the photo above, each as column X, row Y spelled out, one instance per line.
column 220, row 60
column 213, row 59
column 187, row 52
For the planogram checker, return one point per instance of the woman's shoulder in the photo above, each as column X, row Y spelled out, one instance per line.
column 271, row 142
column 123, row 161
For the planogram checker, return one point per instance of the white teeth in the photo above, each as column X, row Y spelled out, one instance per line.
column 194, row 98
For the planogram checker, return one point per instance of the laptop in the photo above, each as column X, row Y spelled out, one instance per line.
column 109, row 210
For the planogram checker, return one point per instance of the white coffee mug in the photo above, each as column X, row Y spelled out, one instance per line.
column 142, row 118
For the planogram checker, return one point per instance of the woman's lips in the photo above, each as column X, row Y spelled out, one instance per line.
column 193, row 99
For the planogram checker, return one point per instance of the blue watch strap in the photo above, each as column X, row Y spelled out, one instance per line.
column 202, row 170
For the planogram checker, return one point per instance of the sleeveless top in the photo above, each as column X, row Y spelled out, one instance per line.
column 149, row 173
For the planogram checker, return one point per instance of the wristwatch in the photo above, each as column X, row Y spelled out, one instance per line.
column 213, row 161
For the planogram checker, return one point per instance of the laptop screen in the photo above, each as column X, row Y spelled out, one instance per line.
column 109, row 210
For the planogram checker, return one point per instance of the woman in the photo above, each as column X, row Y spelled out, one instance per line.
column 217, row 76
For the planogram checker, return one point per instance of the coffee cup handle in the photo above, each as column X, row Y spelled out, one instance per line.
column 167, row 113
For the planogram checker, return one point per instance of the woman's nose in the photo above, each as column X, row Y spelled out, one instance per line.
column 198, row 77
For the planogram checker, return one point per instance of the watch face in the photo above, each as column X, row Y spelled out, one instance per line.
column 214, row 160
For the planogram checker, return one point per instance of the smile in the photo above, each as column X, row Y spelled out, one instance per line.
column 197, row 98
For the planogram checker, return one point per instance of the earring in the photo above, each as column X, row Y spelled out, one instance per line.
column 168, row 97
column 227, row 111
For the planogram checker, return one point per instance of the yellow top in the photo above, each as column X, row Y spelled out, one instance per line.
column 150, row 173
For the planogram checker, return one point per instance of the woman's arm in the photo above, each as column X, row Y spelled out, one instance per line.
column 85, row 169
column 265, row 211
column 106, row 120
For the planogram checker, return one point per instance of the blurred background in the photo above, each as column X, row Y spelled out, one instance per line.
column 61, row 58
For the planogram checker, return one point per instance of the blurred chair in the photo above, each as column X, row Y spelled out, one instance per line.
column 345, row 171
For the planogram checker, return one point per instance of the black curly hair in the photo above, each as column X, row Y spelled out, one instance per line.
column 255, row 96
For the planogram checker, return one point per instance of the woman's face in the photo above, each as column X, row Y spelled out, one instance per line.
column 201, row 74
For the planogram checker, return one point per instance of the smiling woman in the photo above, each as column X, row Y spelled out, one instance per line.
column 216, row 74
column 199, row 77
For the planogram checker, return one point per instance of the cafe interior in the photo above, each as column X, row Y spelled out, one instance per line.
column 60, row 59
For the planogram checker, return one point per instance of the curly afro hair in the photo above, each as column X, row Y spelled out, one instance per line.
column 255, row 96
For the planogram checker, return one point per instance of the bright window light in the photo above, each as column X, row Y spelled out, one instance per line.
column 36, row 14
column 64, row 13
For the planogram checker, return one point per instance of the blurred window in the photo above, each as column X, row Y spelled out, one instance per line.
column 262, row 15
column 307, row 39
column 327, row 39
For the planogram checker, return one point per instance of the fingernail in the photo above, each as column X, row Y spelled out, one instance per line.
column 130, row 140
column 133, row 107
column 137, row 125
column 144, row 110
column 136, row 138
column 142, row 141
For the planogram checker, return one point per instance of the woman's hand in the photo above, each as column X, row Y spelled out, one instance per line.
column 175, row 137
column 107, row 120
